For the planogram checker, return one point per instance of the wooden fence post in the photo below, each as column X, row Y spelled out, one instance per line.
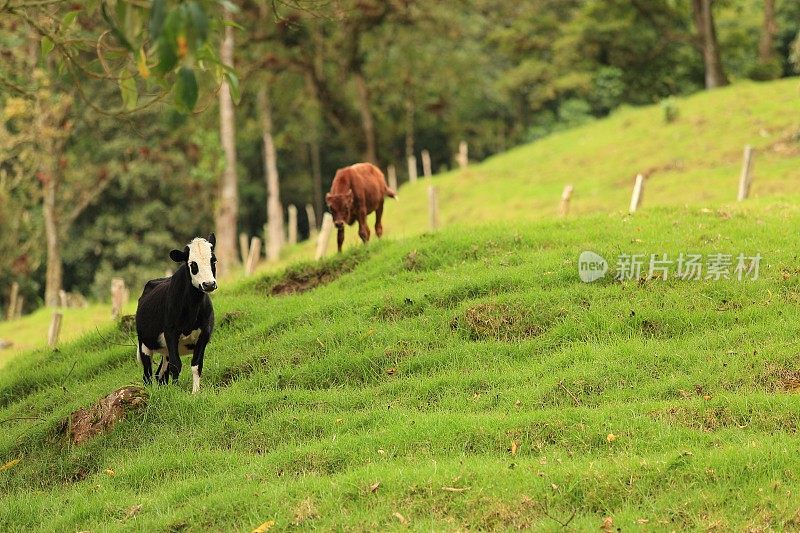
column 55, row 330
column 433, row 207
column 426, row 164
column 463, row 155
column 324, row 236
column 745, row 179
column 392, row 178
column 253, row 256
column 412, row 169
column 638, row 192
column 243, row 247
column 117, row 297
column 312, row 219
column 11, row 312
column 292, row 224
column 566, row 196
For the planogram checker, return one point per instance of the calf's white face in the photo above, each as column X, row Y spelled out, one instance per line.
column 201, row 262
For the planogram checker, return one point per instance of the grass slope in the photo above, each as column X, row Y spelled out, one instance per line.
column 30, row 331
column 695, row 160
column 471, row 375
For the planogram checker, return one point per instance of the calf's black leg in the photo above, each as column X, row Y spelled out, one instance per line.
column 161, row 372
column 174, row 358
column 197, row 360
column 147, row 366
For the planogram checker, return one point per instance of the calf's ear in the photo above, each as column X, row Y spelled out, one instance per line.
column 212, row 239
column 178, row 256
column 328, row 198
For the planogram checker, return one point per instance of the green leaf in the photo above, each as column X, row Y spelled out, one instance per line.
column 198, row 24
column 114, row 29
column 185, row 90
column 168, row 42
column 47, row 46
column 68, row 21
column 127, row 86
column 233, row 83
column 158, row 12
column 167, row 56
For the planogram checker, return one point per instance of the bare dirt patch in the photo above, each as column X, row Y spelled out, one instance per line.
column 85, row 424
column 498, row 321
column 303, row 278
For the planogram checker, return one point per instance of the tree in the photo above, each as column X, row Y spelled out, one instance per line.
column 228, row 200
column 703, row 15
column 274, row 207
column 157, row 50
column 766, row 45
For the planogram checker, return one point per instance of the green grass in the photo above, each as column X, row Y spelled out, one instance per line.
column 433, row 357
column 695, row 160
column 421, row 366
column 30, row 331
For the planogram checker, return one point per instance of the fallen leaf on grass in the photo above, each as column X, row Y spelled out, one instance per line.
column 391, row 371
column 642, row 521
column 133, row 511
column 455, row 489
column 611, row 437
column 706, row 397
column 401, row 518
column 109, row 472
column 514, row 447
column 608, row 524
column 11, row 464
column 266, row 526
column 374, row 486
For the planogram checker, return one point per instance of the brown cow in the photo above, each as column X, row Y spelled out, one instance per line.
column 357, row 191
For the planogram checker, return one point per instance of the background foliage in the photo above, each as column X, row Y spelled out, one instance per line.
column 143, row 124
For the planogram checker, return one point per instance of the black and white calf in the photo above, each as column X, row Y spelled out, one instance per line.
column 175, row 316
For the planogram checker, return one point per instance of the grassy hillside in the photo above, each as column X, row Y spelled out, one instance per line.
column 469, row 379
column 472, row 376
column 695, row 160
column 31, row 331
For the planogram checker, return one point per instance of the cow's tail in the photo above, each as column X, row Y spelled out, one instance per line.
column 391, row 194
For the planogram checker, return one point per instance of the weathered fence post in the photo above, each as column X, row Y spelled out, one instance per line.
column 745, row 179
column 292, row 224
column 253, row 256
column 55, row 330
column 243, row 247
column 463, row 155
column 392, row 178
column 433, row 207
column 312, row 220
column 11, row 312
column 412, row 169
column 324, row 236
column 426, row 164
column 638, row 191
column 117, row 297
column 566, row 196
